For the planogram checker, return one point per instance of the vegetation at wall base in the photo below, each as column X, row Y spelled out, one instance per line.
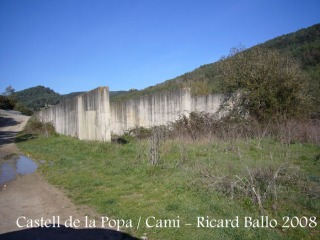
column 237, row 170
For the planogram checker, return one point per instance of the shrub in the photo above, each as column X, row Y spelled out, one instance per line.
column 34, row 126
column 272, row 85
column 140, row 132
column 7, row 102
column 287, row 131
column 24, row 110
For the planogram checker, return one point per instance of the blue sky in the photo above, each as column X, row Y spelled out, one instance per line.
column 77, row 45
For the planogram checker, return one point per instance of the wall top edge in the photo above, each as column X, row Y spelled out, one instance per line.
column 154, row 94
column 101, row 88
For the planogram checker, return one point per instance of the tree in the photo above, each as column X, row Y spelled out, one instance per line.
column 271, row 85
column 7, row 100
column 9, row 91
column 7, row 103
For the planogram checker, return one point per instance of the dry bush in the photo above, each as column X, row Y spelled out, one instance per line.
column 140, row 132
column 203, row 125
column 35, row 126
column 195, row 126
column 157, row 137
column 200, row 125
column 291, row 131
column 259, row 184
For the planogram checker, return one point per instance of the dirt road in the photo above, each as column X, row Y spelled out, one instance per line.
column 10, row 125
column 30, row 198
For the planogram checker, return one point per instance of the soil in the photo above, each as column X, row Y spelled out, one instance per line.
column 32, row 197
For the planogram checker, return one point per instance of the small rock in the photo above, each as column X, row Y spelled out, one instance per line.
column 144, row 237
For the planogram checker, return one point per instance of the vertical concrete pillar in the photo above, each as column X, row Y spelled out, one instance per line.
column 86, row 117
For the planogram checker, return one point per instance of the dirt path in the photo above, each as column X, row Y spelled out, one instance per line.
column 30, row 196
column 10, row 125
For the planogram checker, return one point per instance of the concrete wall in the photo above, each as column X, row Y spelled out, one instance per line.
column 207, row 103
column 158, row 109
column 90, row 116
column 150, row 110
column 86, row 117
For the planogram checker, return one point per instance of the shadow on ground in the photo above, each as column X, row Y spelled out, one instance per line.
column 64, row 233
column 25, row 137
column 7, row 137
column 7, row 122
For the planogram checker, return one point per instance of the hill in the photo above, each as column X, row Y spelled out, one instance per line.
column 40, row 97
column 37, row 97
column 303, row 45
column 71, row 95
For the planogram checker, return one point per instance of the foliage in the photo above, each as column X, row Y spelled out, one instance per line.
column 203, row 125
column 21, row 108
column 199, row 125
column 168, row 85
column 199, row 87
column 272, row 85
column 71, row 95
column 303, row 44
column 37, row 97
column 115, row 94
column 36, row 127
column 7, row 102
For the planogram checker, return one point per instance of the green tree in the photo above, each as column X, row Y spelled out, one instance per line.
column 272, row 85
column 6, row 102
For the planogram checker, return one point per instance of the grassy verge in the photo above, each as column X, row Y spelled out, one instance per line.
column 192, row 179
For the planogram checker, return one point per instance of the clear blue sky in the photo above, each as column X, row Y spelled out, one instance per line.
column 77, row 45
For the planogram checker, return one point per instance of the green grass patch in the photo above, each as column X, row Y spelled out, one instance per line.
column 191, row 180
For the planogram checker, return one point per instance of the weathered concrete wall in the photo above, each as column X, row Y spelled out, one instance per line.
column 90, row 116
column 158, row 109
column 86, row 117
column 150, row 110
column 207, row 103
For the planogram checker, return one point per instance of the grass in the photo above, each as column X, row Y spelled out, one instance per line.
column 119, row 182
